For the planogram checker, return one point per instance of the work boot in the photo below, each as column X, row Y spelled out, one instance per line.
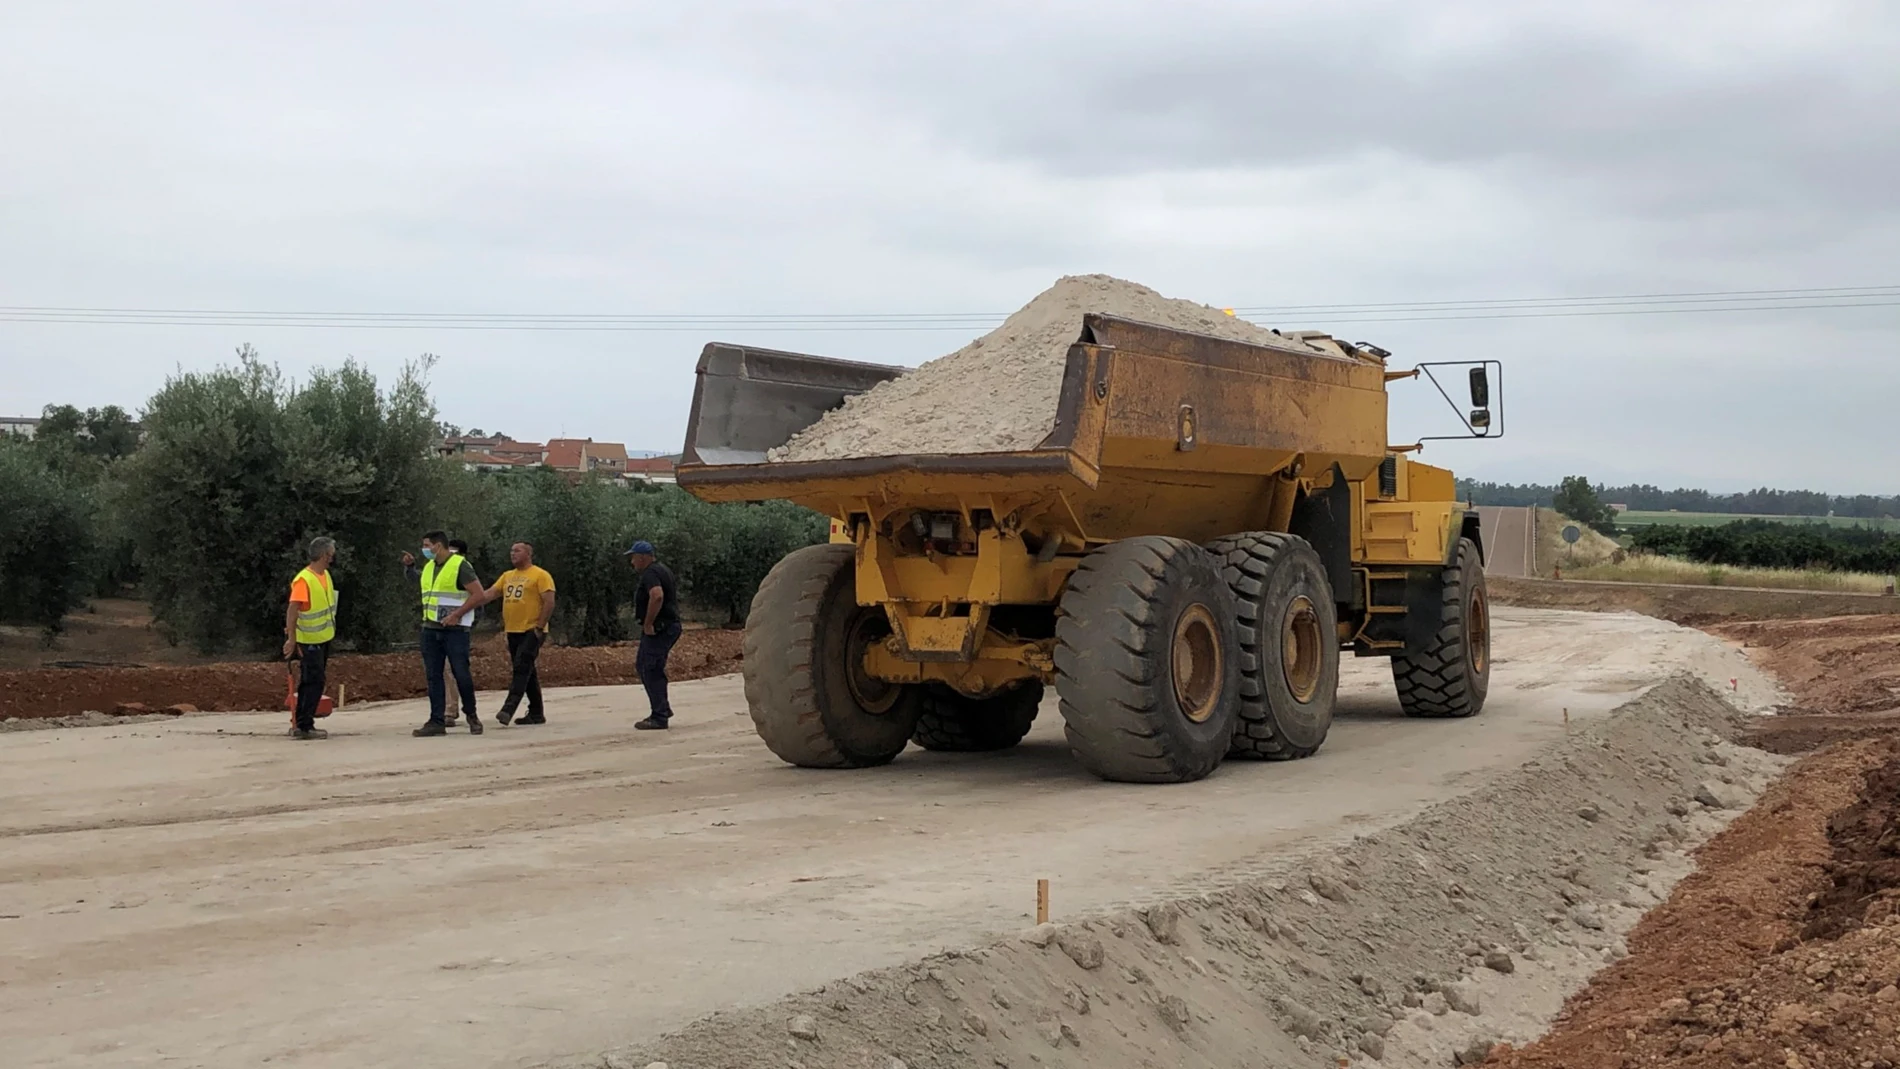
column 433, row 727
column 305, row 734
column 532, row 718
column 507, row 713
column 651, row 724
column 474, row 725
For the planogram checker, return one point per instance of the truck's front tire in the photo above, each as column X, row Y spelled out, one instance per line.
column 956, row 723
column 1289, row 643
column 804, row 667
column 1146, row 662
column 1450, row 676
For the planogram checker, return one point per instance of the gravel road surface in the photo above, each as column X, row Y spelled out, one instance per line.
column 203, row 891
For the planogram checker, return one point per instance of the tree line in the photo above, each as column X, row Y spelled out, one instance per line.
column 1645, row 498
column 1768, row 544
column 205, row 504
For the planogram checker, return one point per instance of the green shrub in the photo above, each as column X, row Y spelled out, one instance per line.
column 47, row 541
column 240, row 469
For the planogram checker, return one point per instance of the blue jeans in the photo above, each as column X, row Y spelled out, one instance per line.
column 650, row 663
column 447, row 644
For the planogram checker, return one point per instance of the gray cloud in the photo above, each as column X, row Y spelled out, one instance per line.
column 747, row 157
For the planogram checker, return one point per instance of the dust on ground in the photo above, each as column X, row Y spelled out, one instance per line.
column 94, row 693
column 1846, row 665
column 999, row 393
column 1784, row 948
column 1421, row 945
column 1843, row 674
column 534, row 892
column 1777, row 951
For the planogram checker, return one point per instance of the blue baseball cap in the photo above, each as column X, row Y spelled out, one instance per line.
column 638, row 548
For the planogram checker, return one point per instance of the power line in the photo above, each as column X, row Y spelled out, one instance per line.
column 1692, row 297
column 1613, row 312
column 1707, row 301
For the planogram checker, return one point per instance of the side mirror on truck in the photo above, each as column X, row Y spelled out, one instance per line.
column 1480, row 400
column 1485, row 417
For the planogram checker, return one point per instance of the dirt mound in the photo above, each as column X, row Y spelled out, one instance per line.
column 999, row 392
column 1839, row 665
column 1460, row 928
column 1720, row 976
column 1865, row 867
column 233, row 687
column 1792, row 731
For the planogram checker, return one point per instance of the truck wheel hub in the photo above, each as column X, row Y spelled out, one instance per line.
column 873, row 695
column 1301, row 652
column 1196, row 656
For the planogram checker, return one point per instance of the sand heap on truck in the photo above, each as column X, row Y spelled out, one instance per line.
column 998, row 393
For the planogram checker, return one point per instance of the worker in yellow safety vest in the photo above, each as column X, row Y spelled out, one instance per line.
column 447, row 581
column 309, row 625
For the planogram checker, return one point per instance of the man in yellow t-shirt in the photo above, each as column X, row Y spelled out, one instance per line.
column 527, row 604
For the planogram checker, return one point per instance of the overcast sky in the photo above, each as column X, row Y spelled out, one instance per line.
column 887, row 157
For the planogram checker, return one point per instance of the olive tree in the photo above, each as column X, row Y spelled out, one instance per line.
column 240, row 468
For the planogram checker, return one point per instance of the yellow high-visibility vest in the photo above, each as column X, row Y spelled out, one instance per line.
column 440, row 595
column 316, row 622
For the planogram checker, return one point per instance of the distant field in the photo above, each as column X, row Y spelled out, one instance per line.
column 1715, row 519
column 1643, row 568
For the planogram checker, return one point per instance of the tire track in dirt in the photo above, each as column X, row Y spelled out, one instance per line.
column 393, row 798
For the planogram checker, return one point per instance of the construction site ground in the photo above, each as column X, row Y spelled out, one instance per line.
column 108, row 689
column 200, row 890
column 1783, row 948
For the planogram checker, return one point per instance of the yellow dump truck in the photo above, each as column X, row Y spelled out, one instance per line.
column 1207, row 525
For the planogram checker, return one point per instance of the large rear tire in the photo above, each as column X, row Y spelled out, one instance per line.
column 956, row 723
column 1289, row 644
column 804, row 667
column 1450, row 676
column 1146, row 662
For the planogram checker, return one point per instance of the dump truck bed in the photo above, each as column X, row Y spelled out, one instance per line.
column 1157, row 431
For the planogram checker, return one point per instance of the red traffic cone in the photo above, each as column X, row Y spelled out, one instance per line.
column 324, row 705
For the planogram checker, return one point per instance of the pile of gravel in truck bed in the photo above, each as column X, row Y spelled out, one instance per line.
column 999, row 393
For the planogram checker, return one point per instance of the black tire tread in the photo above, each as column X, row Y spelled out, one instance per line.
column 1110, row 692
column 953, row 723
column 780, row 641
column 1435, row 683
column 1246, row 560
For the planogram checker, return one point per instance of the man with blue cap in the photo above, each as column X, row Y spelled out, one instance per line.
column 657, row 606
